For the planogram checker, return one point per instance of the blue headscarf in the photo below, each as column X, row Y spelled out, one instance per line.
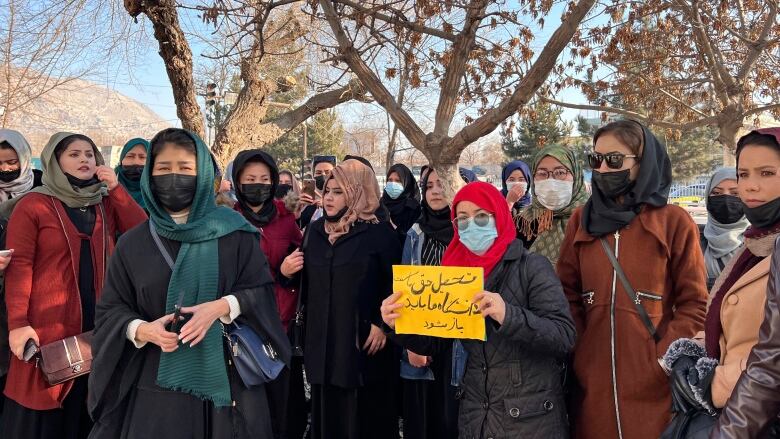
column 508, row 170
column 467, row 175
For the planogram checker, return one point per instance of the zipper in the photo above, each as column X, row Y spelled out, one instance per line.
column 640, row 295
column 612, row 337
column 487, row 402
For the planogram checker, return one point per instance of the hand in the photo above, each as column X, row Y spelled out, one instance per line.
column 107, row 176
column 18, row 337
column 515, row 194
column 292, row 264
column 491, row 305
column 305, row 200
column 203, row 316
column 375, row 341
column 418, row 360
column 156, row 333
column 390, row 309
column 684, row 398
column 225, row 186
column 5, row 260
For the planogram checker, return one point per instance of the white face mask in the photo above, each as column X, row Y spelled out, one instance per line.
column 553, row 194
column 512, row 184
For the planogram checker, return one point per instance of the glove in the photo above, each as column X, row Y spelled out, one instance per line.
column 683, row 397
column 700, row 381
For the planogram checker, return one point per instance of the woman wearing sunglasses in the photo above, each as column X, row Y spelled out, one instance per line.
column 633, row 272
column 513, row 381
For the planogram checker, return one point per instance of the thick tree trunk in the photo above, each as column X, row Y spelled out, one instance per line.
column 730, row 120
column 449, row 176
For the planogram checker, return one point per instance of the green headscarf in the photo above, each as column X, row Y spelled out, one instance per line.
column 199, row 370
column 547, row 226
column 133, row 187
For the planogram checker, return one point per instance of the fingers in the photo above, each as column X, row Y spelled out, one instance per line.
column 190, row 309
column 166, row 319
column 198, row 339
column 391, row 299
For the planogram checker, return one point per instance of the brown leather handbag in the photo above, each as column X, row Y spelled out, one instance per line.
column 66, row 359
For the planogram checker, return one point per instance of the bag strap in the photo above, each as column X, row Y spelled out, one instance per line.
column 630, row 291
column 299, row 305
column 168, row 258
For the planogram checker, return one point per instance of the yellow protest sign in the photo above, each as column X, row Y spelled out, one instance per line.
column 438, row 301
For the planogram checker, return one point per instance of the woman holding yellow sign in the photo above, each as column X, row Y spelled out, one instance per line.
column 513, row 381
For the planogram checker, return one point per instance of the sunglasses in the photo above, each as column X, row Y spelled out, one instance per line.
column 614, row 159
column 481, row 220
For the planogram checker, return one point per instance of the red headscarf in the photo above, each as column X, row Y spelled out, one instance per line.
column 488, row 198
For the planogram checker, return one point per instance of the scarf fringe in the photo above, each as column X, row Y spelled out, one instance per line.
column 544, row 222
column 218, row 401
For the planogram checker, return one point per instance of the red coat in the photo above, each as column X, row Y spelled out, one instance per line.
column 41, row 282
column 279, row 238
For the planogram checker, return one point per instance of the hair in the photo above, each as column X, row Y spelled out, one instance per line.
column 6, row 145
column 756, row 138
column 628, row 132
column 176, row 136
column 64, row 143
column 286, row 172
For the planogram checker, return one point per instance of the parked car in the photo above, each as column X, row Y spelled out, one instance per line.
column 688, row 195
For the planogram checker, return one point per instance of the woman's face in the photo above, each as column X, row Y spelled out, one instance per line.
column 516, row 176
column 255, row 172
column 550, row 167
column 135, row 157
column 173, row 159
column 285, row 178
column 9, row 160
column 334, row 199
column 725, row 187
column 78, row 160
column 394, row 178
column 323, row 169
column 759, row 175
column 434, row 193
column 608, row 143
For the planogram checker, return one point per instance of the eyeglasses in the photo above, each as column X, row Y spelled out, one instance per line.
column 558, row 174
column 481, row 220
column 614, row 159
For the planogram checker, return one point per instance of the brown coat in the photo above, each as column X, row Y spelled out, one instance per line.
column 660, row 254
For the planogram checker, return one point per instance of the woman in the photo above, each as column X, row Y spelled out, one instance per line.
column 516, row 182
column 151, row 379
column 737, row 302
column 513, row 383
column 287, row 183
column 321, row 166
column 402, row 198
column 62, row 234
column 559, row 188
column 257, row 179
column 430, row 406
column 621, row 334
column 723, row 233
column 131, row 165
column 347, row 270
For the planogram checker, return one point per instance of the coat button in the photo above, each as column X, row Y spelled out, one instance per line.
column 514, row 412
column 548, row 405
column 485, row 405
column 733, row 299
column 484, row 369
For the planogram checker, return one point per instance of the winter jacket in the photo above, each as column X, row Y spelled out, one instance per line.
column 616, row 359
column 513, row 383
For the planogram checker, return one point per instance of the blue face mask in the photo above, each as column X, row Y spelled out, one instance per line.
column 478, row 239
column 394, row 189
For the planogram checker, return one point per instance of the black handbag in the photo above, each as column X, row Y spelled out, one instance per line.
column 298, row 327
column 692, row 424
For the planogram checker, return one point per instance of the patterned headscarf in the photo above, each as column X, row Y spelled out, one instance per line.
column 362, row 193
column 25, row 181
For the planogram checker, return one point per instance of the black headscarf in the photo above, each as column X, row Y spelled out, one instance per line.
column 409, row 198
column 436, row 224
column 603, row 215
column 268, row 212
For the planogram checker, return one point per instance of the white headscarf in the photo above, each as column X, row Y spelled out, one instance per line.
column 24, row 183
column 723, row 240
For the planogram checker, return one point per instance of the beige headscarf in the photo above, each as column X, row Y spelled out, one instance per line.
column 362, row 193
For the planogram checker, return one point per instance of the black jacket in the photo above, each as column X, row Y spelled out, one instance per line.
column 344, row 285
column 513, row 385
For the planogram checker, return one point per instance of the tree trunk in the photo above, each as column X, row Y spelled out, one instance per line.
column 449, row 175
column 729, row 123
column 390, row 156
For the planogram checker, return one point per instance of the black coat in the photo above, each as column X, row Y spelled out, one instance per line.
column 344, row 285
column 513, row 385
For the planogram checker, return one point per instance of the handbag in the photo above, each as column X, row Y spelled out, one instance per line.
column 298, row 329
column 66, row 359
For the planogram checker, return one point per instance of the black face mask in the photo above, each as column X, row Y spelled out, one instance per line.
column 725, row 209
column 335, row 218
column 9, row 176
column 256, row 194
column 613, row 184
column 765, row 215
column 319, row 181
column 282, row 190
column 133, row 172
column 175, row 192
column 79, row 183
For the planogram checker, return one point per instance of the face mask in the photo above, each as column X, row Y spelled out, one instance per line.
column 319, row 181
column 512, row 184
column 613, row 184
column 256, row 194
column 79, row 183
column 175, row 192
column 9, row 176
column 478, row 239
column 553, row 194
column 133, row 172
column 765, row 215
column 725, row 209
column 394, row 189
column 282, row 190
column 334, row 218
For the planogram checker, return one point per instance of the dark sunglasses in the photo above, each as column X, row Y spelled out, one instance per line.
column 614, row 159
column 480, row 219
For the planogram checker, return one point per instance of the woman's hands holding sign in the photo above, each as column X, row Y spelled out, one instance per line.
column 491, row 305
column 390, row 309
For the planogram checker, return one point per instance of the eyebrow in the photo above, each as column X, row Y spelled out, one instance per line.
column 180, row 162
column 758, row 168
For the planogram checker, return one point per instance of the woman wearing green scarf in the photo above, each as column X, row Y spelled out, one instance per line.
column 559, row 188
column 131, row 165
column 149, row 381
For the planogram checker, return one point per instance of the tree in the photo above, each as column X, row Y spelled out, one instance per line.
column 681, row 64
column 541, row 125
column 325, row 134
column 254, row 30
column 694, row 153
column 478, row 55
